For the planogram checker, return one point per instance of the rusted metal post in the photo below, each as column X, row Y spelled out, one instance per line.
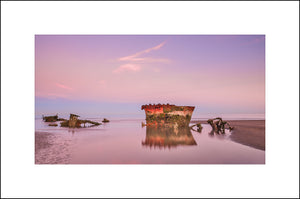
column 73, row 120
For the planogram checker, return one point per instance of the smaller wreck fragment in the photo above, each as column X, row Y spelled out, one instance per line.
column 50, row 118
column 218, row 125
column 53, row 118
column 199, row 127
column 105, row 120
column 74, row 122
column 53, row 124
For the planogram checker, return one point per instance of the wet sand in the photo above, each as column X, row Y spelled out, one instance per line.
column 42, row 141
column 247, row 132
column 49, row 149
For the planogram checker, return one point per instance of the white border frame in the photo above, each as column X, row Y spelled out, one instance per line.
column 279, row 21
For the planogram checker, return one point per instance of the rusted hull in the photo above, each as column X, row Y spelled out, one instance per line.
column 168, row 115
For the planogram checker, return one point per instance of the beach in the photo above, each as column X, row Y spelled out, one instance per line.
column 247, row 132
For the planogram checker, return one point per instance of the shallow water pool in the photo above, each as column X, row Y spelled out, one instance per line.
column 127, row 142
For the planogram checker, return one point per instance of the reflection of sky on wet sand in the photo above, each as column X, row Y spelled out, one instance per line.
column 121, row 142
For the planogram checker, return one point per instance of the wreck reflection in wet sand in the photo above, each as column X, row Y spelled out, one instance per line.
column 163, row 137
column 121, row 142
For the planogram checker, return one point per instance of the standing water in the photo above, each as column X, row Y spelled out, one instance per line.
column 127, row 142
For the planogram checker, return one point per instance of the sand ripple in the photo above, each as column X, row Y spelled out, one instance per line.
column 52, row 148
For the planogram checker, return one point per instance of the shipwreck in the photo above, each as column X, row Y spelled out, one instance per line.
column 53, row 118
column 73, row 121
column 168, row 115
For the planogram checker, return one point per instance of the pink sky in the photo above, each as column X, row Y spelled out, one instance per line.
column 179, row 69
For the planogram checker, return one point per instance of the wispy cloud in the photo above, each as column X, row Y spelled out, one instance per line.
column 135, row 57
column 127, row 67
column 63, row 86
column 136, row 60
